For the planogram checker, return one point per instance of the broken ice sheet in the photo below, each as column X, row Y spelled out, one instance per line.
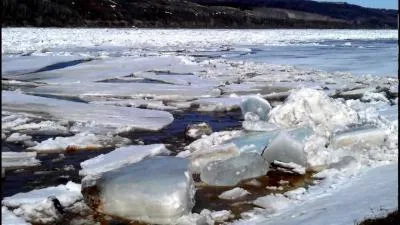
column 120, row 157
column 234, row 193
column 42, row 128
column 155, row 190
column 19, row 159
column 231, row 171
column 80, row 141
column 37, row 206
column 12, row 66
column 121, row 118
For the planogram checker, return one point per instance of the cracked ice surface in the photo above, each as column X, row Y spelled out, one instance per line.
column 123, row 119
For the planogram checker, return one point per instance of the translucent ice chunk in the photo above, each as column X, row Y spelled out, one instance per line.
column 231, row 171
column 155, row 190
column 285, row 148
column 255, row 108
column 360, row 136
column 254, row 141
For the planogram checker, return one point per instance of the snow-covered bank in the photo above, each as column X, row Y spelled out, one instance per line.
column 374, row 193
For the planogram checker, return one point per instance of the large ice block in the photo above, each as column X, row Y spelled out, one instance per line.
column 254, row 141
column 155, row 190
column 255, row 108
column 200, row 158
column 231, row 171
column 286, row 148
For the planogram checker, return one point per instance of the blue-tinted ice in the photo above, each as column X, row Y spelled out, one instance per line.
column 156, row 190
column 231, row 171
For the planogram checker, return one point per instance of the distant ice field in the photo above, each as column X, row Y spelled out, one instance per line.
column 360, row 52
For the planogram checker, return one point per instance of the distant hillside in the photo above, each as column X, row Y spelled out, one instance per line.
column 193, row 14
column 368, row 17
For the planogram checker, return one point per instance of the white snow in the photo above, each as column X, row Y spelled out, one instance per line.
column 211, row 140
column 37, row 207
column 119, row 158
column 374, row 193
column 234, row 193
column 9, row 218
column 273, row 203
column 313, row 108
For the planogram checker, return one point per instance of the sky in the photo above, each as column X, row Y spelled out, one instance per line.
column 382, row 4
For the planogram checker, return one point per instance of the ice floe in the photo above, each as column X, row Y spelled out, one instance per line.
column 234, row 193
column 155, row 190
column 121, row 118
column 81, row 141
column 195, row 131
column 119, row 158
column 38, row 206
column 18, row 159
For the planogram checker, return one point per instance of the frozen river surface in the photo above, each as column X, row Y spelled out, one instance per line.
column 79, row 100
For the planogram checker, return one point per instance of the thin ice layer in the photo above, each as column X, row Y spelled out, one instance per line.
column 18, row 159
column 154, row 190
column 118, row 117
column 231, row 171
column 81, row 141
column 120, row 157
